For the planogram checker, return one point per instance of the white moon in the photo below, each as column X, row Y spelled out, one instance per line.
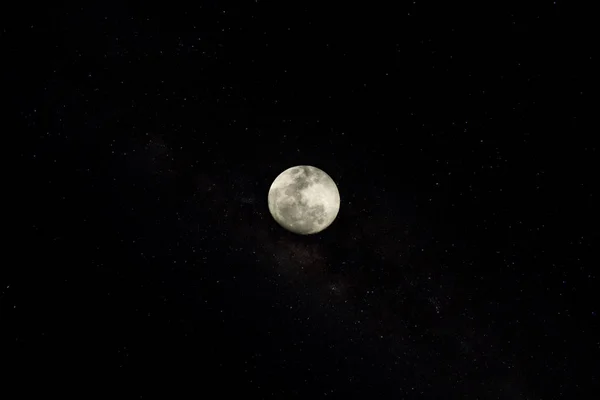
column 304, row 200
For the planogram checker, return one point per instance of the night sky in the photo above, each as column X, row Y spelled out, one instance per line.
column 147, row 264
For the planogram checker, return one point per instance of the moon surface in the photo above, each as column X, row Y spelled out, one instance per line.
column 304, row 200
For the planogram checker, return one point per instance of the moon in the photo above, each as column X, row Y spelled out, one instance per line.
column 304, row 200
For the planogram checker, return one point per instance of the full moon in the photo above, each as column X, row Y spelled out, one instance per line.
column 304, row 200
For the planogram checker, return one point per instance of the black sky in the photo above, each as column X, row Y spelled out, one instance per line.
column 460, row 138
